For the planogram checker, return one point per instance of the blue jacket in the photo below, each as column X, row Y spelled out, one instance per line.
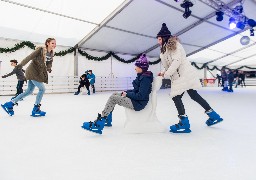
column 91, row 78
column 142, row 88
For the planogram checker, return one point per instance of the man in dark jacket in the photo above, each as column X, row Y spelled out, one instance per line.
column 83, row 82
column 224, row 78
column 230, row 80
column 135, row 99
column 20, row 76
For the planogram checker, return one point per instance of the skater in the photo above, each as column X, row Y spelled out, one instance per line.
column 91, row 78
column 83, row 82
column 242, row 78
column 218, row 77
column 135, row 99
column 230, row 76
column 20, row 76
column 36, row 74
column 224, row 78
column 183, row 78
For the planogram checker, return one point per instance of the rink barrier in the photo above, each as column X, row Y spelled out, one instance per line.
column 69, row 84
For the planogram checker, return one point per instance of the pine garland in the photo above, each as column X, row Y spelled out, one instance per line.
column 63, row 53
column 125, row 61
column 90, row 57
column 105, row 57
column 18, row 46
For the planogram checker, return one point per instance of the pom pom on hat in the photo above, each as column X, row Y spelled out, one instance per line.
column 164, row 32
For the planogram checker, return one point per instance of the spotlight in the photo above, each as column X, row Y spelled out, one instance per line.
column 232, row 23
column 252, row 32
column 251, row 23
column 239, row 9
column 240, row 25
column 187, row 4
column 219, row 15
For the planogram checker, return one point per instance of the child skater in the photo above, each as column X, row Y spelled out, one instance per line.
column 20, row 76
column 135, row 99
column 36, row 74
column 83, row 82
column 91, row 78
column 183, row 79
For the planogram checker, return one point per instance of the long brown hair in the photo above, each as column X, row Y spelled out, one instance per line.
column 47, row 41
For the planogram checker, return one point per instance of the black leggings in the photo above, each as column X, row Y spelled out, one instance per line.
column 19, row 87
column 87, row 85
column 195, row 96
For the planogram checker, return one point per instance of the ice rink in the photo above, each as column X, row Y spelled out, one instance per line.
column 55, row 147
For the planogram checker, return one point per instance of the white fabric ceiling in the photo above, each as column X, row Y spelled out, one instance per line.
column 24, row 23
column 130, row 27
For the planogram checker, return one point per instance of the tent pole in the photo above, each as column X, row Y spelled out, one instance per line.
column 75, row 61
column 105, row 22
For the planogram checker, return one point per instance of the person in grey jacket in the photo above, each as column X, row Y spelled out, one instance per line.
column 36, row 74
column 20, row 76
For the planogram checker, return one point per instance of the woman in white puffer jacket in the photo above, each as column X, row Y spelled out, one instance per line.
column 183, row 78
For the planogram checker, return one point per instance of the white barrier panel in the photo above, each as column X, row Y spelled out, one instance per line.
column 68, row 84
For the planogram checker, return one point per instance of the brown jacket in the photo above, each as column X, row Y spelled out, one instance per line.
column 37, row 69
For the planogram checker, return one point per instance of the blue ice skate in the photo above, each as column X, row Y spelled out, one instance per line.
column 8, row 107
column 182, row 127
column 225, row 89
column 214, row 118
column 96, row 126
column 36, row 112
column 108, row 121
column 88, row 92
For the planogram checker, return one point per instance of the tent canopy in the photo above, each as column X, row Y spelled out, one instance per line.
column 130, row 27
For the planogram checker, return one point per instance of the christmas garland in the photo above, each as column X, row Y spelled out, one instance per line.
column 63, row 53
column 18, row 46
column 105, row 57
column 90, row 57
column 215, row 67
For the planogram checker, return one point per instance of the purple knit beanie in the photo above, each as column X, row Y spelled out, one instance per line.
column 142, row 62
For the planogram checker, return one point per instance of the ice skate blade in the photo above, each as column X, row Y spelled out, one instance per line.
column 7, row 110
column 37, row 115
column 92, row 130
column 214, row 122
column 183, row 131
column 108, row 125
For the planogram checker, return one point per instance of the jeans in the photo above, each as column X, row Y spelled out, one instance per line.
column 31, row 86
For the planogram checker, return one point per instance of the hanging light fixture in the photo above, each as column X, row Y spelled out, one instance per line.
column 251, row 32
column 232, row 23
column 219, row 15
column 186, row 5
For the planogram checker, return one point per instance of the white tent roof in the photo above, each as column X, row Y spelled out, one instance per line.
column 67, row 21
column 130, row 27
